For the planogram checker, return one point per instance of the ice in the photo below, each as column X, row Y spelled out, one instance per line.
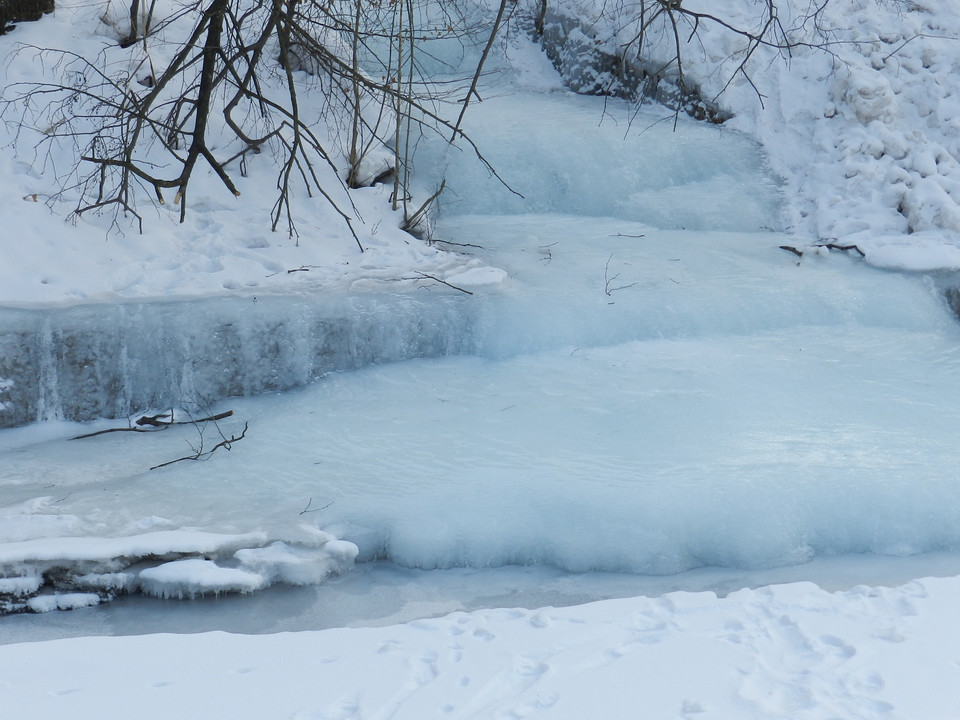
column 923, row 252
column 730, row 405
column 579, row 282
column 20, row 585
column 171, row 563
column 158, row 544
column 619, row 398
column 580, row 156
column 92, row 361
column 300, row 565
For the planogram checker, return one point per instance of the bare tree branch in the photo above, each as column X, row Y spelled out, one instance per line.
column 201, row 454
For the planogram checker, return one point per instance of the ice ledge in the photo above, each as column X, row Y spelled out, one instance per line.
column 160, row 544
column 67, row 572
column 108, row 361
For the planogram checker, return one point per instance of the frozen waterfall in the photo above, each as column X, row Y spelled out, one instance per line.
column 101, row 360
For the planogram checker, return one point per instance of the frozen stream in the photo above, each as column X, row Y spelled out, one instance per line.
column 634, row 400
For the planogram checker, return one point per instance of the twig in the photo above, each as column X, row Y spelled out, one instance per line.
column 829, row 246
column 835, row 246
column 200, row 454
column 411, row 222
column 302, row 268
column 608, row 279
column 159, row 420
column 455, row 244
column 472, row 92
column 308, row 509
column 152, row 421
column 428, row 276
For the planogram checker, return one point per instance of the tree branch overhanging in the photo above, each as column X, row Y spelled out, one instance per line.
column 238, row 76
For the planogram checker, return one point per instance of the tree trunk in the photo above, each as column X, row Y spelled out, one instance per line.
column 14, row 11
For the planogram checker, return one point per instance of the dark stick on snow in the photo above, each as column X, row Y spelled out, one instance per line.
column 154, row 422
column 835, row 246
column 428, row 276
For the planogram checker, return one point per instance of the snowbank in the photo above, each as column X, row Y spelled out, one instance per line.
column 788, row 651
column 225, row 245
column 862, row 130
column 860, row 117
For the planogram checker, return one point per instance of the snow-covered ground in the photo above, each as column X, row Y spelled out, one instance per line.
column 859, row 117
column 788, row 651
column 647, row 384
column 862, row 134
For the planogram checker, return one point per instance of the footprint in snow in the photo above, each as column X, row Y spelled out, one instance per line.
column 891, row 634
column 207, row 265
column 838, row 648
column 691, row 707
column 484, row 634
column 866, row 682
column 539, row 620
column 343, row 709
column 424, row 669
column 906, row 608
column 507, row 684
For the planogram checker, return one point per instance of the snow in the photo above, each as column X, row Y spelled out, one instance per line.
column 20, row 585
column 864, row 135
column 642, row 382
column 189, row 578
column 478, row 276
column 62, row 601
column 224, row 247
column 787, row 651
column 92, row 548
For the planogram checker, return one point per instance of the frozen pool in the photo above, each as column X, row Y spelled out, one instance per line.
column 656, row 387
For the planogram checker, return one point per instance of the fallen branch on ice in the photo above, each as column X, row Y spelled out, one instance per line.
column 152, row 423
column 829, row 246
column 201, row 454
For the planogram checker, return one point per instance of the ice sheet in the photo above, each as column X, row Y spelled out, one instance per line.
column 592, row 157
column 729, row 405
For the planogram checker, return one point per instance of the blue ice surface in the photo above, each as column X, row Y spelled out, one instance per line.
column 725, row 407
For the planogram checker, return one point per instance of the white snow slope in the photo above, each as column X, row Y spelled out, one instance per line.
column 860, row 117
column 789, row 651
